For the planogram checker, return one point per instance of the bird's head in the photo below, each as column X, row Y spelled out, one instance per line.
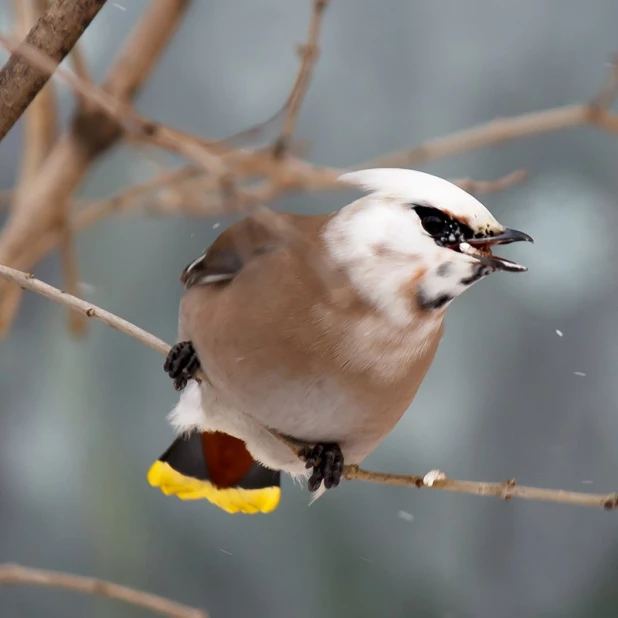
column 416, row 241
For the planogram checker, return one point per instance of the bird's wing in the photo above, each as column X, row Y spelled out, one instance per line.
column 233, row 249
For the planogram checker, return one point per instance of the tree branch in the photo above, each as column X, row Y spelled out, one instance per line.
column 14, row 574
column 499, row 131
column 54, row 34
column 92, row 133
column 310, row 52
column 309, row 56
column 41, row 122
column 432, row 480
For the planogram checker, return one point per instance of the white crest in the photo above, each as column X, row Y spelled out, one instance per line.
column 413, row 187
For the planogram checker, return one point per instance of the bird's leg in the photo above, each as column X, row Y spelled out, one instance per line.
column 326, row 459
column 181, row 363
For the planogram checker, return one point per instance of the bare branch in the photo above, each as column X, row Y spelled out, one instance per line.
column 14, row 574
column 309, row 56
column 92, row 133
column 501, row 131
column 29, row 282
column 506, row 490
column 309, row 59
column 41, row 123
column 55, row 35
column 491, row 186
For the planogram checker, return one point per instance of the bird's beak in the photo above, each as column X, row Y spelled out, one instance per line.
column 507, row 237
column 480, row 248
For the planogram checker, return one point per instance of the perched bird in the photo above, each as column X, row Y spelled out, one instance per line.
column 333, row 368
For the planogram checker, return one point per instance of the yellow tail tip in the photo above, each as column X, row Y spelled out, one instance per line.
column 231, row 500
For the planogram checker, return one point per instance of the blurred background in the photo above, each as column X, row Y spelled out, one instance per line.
column 524, row 384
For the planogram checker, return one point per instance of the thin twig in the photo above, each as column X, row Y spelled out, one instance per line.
column 14, row 574
column 491, row 186
column 55, row 35
column 29, row 282
column 309, row 56
column 309, row 59
column 506, row 129
column 505, row 490
column 122, row 201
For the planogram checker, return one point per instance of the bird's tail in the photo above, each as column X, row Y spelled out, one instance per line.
column 219, row 468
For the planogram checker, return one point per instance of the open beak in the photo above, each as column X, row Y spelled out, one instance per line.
column 480, row 248
column 508, row 236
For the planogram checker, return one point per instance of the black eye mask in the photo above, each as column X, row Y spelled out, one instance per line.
column 445, row 230
column 455, row 235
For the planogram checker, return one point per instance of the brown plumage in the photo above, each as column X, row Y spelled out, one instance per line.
column 322, row 328
column 277, row 347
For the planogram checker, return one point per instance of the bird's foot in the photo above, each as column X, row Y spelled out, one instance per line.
column 181, row 364
column 326, row 459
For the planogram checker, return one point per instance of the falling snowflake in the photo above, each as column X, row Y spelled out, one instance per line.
column 405, row 516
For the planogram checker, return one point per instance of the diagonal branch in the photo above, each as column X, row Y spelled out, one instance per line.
column 14, row 574
column 432, row 480
column 503, row 130
column 54, row 34
column 40, row 120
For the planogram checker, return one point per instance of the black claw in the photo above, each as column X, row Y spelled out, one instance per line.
column 326, row 459
column 181, row 364
column 314, row 480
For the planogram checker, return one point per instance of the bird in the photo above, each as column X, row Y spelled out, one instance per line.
column 320, row 336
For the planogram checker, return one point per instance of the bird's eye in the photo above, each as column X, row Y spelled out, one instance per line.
column 433, row 225
column 434, row 222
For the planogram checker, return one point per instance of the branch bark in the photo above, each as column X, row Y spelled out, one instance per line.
column 54, row 34
column 40, row 119
column 14, row 574
column 432, row 480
